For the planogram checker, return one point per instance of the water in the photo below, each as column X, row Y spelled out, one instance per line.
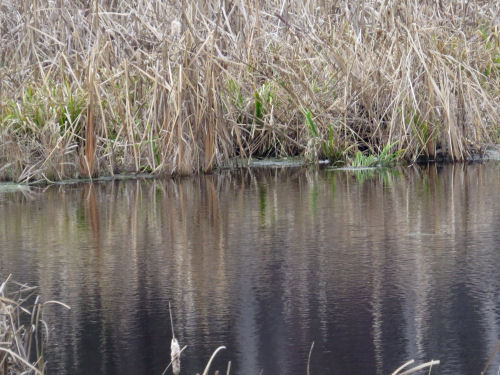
column 375, row 268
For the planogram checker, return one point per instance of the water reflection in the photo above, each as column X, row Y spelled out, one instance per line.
column 376, row 269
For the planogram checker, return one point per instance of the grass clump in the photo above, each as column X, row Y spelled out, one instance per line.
column 177, row 87
column 384, row 159
column 23, row 332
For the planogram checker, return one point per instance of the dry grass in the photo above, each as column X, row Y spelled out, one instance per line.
column 176, row 87
column 23, row 332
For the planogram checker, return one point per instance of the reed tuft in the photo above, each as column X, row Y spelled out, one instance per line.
column 23, row 332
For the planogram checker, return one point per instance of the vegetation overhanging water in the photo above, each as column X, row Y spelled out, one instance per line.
column 176, row 87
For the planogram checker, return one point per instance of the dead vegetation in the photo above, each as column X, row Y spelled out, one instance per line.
column 177, row 87
column 23, row 332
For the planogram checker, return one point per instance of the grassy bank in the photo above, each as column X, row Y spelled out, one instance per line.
column 176, row 87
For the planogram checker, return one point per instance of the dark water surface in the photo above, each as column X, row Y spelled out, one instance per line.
column 375, row 268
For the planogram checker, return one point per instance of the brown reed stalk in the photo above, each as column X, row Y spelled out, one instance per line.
column 90, row 142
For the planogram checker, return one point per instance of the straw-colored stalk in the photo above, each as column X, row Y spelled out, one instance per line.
column 401, row 370
column 175, row 349
column 175, row 354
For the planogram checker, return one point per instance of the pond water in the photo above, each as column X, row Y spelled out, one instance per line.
column 375, row 268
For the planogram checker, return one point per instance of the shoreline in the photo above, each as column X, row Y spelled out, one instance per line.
column 491, row 154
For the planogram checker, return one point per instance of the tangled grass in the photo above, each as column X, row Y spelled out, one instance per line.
column 176, row 87
column 23, row 332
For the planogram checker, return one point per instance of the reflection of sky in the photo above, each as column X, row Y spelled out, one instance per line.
column 375, row 271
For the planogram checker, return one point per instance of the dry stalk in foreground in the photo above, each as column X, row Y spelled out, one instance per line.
column 175, row 349
column 23, row 332
column 399, row 370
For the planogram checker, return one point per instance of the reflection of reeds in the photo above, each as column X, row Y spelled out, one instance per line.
column 16, row 340
column 20, row 343
column 176, row 216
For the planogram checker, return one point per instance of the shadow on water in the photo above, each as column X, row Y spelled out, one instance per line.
column 375, row 269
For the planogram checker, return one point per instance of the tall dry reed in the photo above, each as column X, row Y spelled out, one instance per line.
column 176, row 87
